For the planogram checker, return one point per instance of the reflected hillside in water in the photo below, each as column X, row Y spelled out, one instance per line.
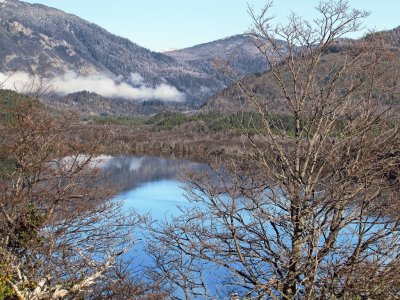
column 129, row 172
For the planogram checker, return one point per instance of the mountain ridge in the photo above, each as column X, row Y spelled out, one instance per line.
column 238, row 51
column 263, row 85
column 39, row 39
column 48, row 42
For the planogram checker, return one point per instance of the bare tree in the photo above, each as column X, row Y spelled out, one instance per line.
column 181, row 276
column 60, row 234
column 312, row 212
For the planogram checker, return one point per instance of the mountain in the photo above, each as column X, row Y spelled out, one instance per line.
column 238, row 51
column 37, row 39
column 76, row 55
column 231, row 99
column 265, row 87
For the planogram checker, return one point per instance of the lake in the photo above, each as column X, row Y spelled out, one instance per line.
column 150, row 184
column 153, row 185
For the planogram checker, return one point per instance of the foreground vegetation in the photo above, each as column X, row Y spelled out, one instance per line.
column 317, row 218
column 61, row 237
column 302, row 205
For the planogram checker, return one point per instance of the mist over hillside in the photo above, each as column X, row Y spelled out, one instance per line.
column 50, row 43
column 72, row 55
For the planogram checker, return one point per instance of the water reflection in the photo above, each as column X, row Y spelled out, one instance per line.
column 150, row 184
column 130, row 172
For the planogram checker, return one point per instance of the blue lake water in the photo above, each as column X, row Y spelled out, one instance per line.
column 154, row 185
column 150, row 184
column 159, row 198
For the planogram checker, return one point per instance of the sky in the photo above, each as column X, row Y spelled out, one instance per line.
column 164, row 24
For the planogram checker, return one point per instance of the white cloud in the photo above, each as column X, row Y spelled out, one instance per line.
column 103, row 85
column 136, row 79
column 18, row 81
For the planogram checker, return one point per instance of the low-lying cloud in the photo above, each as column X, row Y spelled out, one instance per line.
column 104, row 85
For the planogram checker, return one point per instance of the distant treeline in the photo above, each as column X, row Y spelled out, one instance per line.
column 241, row 122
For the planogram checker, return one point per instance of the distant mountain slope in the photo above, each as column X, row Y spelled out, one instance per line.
column 88, row 103
column 238, row 50
column 46, row 41
column 263, row 85
column 231, row 99
column 40, row 40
